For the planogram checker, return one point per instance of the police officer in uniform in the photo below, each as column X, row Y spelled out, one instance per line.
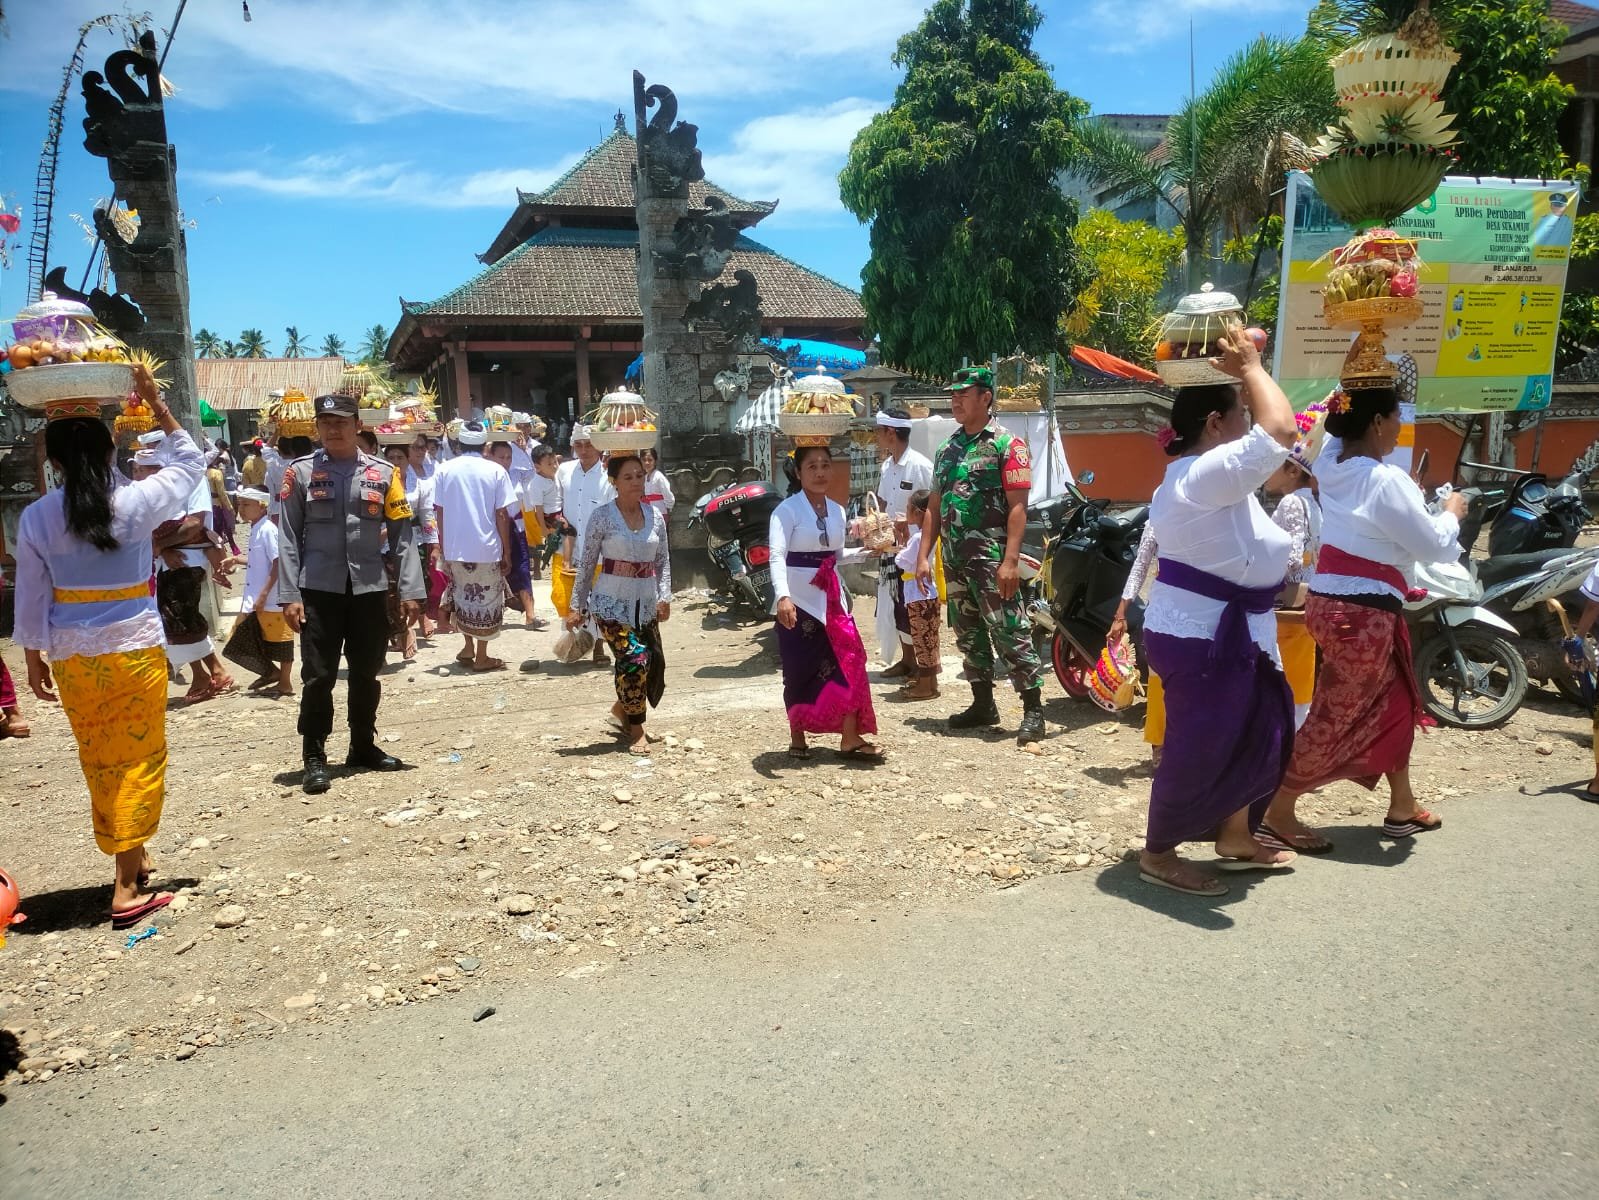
column 981, row 479
column 337, row 504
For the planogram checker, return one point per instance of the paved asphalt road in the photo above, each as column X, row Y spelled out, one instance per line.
column 1412, row 1021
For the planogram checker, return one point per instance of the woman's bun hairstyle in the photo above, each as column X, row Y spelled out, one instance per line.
column 1192, row 408
column 1352, row 419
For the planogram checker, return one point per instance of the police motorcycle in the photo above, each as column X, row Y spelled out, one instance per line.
column 1083, row 556
column 1469, row 671
column 737, row 518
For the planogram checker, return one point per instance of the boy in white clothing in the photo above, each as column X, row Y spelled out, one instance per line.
column 921, row 603
column 261, row 596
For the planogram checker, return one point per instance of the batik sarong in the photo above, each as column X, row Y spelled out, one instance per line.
column 1363, row 715
column 179, row 595
column 633, row 652
column 824, row 662
column 520, row 577
column 1229, row 717
column 925, row 617
column 117, row 706
column 477, row 599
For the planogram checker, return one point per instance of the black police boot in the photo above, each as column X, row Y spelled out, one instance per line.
column 1032, row 726
column 982, row 711
column 366, row 756
column 316, row 779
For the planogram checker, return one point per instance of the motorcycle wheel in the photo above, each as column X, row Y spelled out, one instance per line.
column 1494, row 687
column 1071, row 668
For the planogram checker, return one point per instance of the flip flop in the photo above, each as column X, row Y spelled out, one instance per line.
column 1214, row 888
column 799, row 752
column 493, row 664
column 1312, row 843
column 1255, row 864
column 129, row 917
column 865, row 752
column 1422, row 822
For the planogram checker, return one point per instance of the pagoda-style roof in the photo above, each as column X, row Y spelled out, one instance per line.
column 598, row 192
column 563, row 274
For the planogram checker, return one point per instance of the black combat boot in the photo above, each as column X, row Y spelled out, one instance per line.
column 366, row 755
column 1032, row 726
column 982, row 711
column 316, row 779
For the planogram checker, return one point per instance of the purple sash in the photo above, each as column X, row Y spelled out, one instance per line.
column 810, row 558
column 1232, row 639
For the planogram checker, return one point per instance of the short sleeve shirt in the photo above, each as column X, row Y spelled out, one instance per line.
column 972, row 473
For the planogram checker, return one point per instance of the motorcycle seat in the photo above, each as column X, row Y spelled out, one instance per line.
column 1508, row 566
column 1120, row 525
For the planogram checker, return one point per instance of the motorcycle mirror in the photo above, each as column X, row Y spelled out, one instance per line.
column 1086, row 477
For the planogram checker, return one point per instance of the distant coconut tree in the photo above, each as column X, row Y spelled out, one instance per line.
column 333, row 346
column 207, row 344
column 373, row 343
column 294, row 345
column 252, row 344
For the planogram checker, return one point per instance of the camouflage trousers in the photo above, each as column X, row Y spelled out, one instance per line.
column 984, row 624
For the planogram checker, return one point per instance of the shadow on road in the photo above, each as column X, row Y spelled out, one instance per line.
column 1202, row 912
column 336, row 771
column 767, row 763
column 78, row 907
column 1365, row 846
column 1120, row 776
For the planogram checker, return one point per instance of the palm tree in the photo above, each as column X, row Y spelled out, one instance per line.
column 1221, row 163
column 294, row 347
column 373, row 343
column 333, row 346
column 230, row 349
column 207, row 344
column 252, row 344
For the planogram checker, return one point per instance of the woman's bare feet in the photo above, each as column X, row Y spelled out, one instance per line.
column 12, row 724
column 638, row 740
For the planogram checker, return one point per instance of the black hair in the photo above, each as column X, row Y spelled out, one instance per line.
column 899, row 414
column 294, row 447
column 81, row 447
column 614, row 464
column 542, row 451
column 1192, row 408
column 919, row 500
column 801, row 451
column 401, row 446
column 1365, row 406
column 366, row 437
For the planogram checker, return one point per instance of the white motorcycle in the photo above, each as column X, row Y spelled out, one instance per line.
column 1470, row 673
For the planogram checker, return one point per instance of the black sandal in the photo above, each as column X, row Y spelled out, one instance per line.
column 799, row 751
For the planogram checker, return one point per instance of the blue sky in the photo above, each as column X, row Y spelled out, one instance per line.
column 335, row 155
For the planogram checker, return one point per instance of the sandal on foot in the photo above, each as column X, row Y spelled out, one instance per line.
column 1211, row 887
column 127, row 918
column 489, row 664
column 865, row 752
column 1422, row 822
column 1309, row 842
column 1267, row 860
column 799, row 751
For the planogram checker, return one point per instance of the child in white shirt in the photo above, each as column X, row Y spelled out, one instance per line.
column 922, row 605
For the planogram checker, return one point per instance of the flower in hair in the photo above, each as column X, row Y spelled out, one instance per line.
column 1338, row 402
column 1166, row 437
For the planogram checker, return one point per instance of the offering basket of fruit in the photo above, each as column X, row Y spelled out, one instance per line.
column 1373, row 279
column 621, row 423
column 1190, row 337
column 62, row 358
column 816, row 410
column 499, row 424
column 1020, row 384
column 292, row 415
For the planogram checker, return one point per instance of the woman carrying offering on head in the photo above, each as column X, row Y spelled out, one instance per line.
column 1209, row 629
column 626, row 542
column 824, row 663
column 1375, row 525
column 92, row 633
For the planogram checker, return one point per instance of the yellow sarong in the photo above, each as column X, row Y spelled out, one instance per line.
column 1154, row 711
column 1298, row 649
column 562, row 581
column 117, row 705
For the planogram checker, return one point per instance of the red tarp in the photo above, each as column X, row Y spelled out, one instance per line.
column 1109, row 364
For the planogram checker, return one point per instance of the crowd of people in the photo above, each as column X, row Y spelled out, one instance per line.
column 1277, row 650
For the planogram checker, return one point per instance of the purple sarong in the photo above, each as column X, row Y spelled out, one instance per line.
column 1229, row 717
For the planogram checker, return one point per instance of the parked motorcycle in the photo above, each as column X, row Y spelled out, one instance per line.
column 1470, row 674
column 1539, row 517
column 737, row 520
column 1087, row 556
column 1539, row 594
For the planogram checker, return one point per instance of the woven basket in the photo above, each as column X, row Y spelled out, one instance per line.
column 813, row 425
column 395, row 437
column 1113, row 683
column 1388, row 311
column 371, row 418
column 1190, row 372
column 877, row 527
column 617, row 440
column 35, row 387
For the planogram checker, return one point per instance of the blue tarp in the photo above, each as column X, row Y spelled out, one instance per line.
column 803, row 355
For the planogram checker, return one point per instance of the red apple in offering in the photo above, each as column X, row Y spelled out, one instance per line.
column 1257, row 335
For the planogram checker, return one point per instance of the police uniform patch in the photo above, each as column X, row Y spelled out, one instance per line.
column 287, row 489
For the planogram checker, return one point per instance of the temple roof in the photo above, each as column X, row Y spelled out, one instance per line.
column 600, row 186
column 235, row 384
column 1572, row 15
column 566, row 274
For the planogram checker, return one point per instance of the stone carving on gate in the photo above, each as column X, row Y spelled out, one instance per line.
column 702, row 242
column 734, row 309
column 669, row 153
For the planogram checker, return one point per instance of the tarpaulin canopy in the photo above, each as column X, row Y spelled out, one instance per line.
column 802, row 354
column 209, row 415
column 1110, row 366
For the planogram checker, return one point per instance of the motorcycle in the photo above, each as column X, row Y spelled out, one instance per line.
column 1539, row 517
column 737, row 519
column 1540, row 595
column 1086, row 559
column 1471, row 676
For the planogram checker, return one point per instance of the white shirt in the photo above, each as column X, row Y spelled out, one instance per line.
column 793, row 528
column 911, row 472
column 656, row 485
column 468, row 491
column 546, row 494
column 905, row 560
column 50, row 557
column 199, row 502
column 273, row 483
column 263, row 553
column 582, row 492
column 419, row 495
column 1375, row 511
column 1209, row 519
column 521, row 464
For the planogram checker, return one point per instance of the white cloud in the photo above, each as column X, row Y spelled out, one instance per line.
column 344, row 177
column 1133, row 26
column 793, row 156
column 381, row 58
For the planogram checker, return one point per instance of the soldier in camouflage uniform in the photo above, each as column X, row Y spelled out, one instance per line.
column 981, row 478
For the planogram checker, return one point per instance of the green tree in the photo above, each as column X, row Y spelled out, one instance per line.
column 1506, row 101
column 373, row 344
column 230, row 349
column 294, row 345
column 1220, row 167
column 252, row 344
column 1130, row 262
column 333, row 346
column 207, row 344
column 971, row 249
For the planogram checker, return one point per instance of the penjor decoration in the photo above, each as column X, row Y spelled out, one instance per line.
column 1387, row 154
